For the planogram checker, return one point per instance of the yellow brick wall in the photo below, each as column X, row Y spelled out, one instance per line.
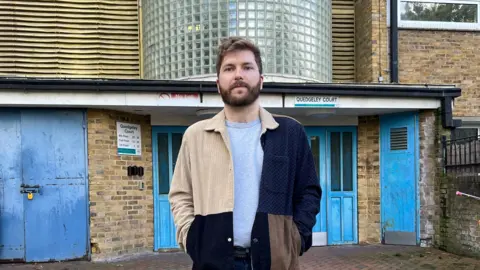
column 371, row 41
column 425, row 56
column 380, row 41
column 368, row 179
column 443, row 57
column 363, row 42
column 121, row 215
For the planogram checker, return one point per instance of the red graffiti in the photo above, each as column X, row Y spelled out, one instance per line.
column 177, row 95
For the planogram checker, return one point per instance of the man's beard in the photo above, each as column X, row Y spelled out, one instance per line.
column 252, row 94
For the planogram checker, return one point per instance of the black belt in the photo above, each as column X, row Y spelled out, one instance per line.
column 241, row 252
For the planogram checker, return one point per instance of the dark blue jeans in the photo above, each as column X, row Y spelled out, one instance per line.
column 243, row 264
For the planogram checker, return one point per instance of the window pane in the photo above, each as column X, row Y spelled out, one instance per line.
column 335, row 161
column 347, row 162
column 315, row 145
column 163, row 172
column 438, row 12
column 176, row 143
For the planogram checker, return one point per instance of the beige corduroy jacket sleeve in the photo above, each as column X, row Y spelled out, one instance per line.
column 181, row 195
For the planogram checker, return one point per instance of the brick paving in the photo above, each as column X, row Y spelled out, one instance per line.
column 338, row 258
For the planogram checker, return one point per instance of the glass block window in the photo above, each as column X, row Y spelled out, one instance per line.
column 294, row 36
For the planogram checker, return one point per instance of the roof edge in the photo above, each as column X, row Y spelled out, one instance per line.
column 142, row 85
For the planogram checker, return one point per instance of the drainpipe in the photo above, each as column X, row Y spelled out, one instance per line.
column 394, row 41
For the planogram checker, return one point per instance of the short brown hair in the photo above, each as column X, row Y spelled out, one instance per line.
column 231, row 44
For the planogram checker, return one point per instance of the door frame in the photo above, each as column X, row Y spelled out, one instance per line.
column 325, row 159
column 416, row 150
column 321, row 238
column 155, row 131
column 87, row 182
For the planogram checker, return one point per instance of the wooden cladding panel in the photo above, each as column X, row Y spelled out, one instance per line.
column 343, row 40
column 69, row 38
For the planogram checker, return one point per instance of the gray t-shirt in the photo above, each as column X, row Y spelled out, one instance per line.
column 247, row 156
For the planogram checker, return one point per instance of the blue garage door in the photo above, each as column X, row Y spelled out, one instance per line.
column 398, row 178
column 43, row 193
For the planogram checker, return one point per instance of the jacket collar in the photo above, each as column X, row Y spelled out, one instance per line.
column 217, row 123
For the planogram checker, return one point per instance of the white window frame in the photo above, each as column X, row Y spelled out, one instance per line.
column 436, row 25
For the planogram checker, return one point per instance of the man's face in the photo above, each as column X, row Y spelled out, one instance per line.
column 239, row 80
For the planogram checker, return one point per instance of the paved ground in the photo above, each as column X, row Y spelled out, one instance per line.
column 338, row 258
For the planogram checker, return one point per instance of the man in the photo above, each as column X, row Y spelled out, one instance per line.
column 244, row 193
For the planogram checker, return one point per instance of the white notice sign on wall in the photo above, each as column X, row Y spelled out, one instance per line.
column 129, row 139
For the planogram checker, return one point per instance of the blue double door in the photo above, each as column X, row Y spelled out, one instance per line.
column 334, row 150
column 43, row 193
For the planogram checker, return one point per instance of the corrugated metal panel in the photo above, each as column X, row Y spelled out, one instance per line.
column 69, row 38
column 343, row 34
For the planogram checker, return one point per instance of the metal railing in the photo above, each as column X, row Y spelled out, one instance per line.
column 461, row 161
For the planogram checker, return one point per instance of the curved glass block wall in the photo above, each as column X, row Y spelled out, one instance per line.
column 180, row 38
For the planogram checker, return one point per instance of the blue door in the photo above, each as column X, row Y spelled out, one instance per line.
column 335, row 154
column 45, row 178
column 316, row 139
column 166, row 144
column 342, row 185
column 398, row 178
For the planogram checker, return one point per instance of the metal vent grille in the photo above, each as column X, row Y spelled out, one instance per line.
column 398, row 139
column 343, row 40
column 69, row 38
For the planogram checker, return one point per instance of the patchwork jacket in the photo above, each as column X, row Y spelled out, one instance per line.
column 202, row 190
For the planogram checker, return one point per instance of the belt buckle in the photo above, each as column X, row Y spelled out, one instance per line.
column 241, row 252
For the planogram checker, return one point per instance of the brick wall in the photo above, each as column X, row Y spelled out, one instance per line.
column 363, row 41
column 459, row 230
column 371, row 41
column 460, row 223
column 448, row 222
column 445, row 57
column 454, row 55
column 380, row 61
column 368, row 179
column 121, row 215
column 429, row 186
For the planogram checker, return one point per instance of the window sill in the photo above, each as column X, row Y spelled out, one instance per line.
column 439, row 26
